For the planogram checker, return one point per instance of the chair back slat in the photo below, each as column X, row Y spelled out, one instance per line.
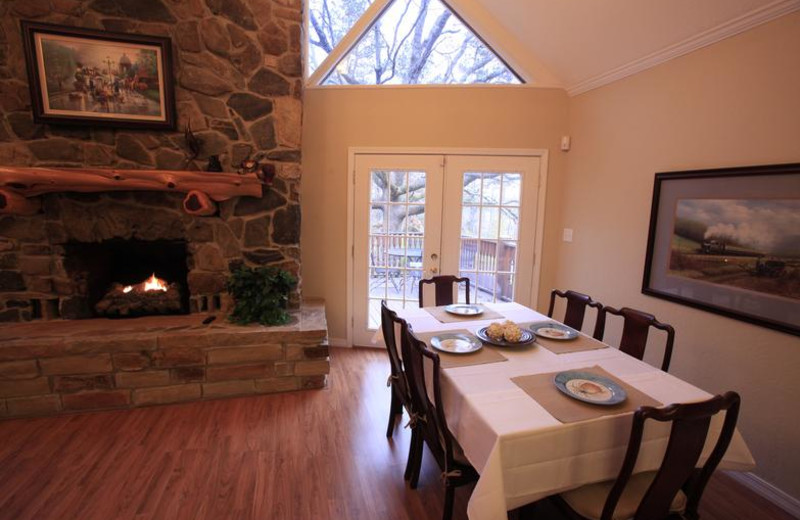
column 635, row 331
column 678, row 470
column 444, row 288
column 686, row 442
column 429, row 414
column 576, row 307
column 389, row 324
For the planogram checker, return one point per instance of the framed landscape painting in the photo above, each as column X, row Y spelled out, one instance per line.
column 88, row 77
column 728, row 241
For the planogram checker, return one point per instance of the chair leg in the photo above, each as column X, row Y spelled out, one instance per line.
column 417, row 448
column 393, row 413
column 449, row 497
column 413, row 456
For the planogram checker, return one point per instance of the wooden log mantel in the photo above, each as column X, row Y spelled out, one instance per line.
column 17, row 183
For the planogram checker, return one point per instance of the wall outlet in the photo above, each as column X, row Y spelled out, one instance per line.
column 567, row 236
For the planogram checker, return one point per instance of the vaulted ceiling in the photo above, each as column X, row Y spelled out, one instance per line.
column 583, row 44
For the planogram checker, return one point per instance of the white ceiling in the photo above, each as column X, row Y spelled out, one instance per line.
column 583, row 44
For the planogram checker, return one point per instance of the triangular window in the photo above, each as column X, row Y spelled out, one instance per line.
column 328, row 22
column 416, row 42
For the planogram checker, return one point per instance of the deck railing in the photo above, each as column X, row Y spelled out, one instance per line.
column 477, row 254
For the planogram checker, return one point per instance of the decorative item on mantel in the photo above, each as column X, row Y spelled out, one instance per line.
column 248, row 166
column 18, row 184
column 192, row 142
column 267, row 174
column 214, row 165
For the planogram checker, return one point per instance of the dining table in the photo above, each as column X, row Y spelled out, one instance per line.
column 522, row 452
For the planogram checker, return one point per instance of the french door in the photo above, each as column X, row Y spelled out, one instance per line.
column 416, row 216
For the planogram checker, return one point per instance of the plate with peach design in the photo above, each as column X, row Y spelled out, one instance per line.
column 589, row 388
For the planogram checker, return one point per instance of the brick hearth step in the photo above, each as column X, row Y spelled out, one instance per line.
column 64, row 366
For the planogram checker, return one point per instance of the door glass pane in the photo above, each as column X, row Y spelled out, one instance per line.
column 416, row 187
column 379, row 187
column 509, row 222
column 397, row 228
column 472, row 188
column 489, row 222
column 512, row 182
column 489, row 233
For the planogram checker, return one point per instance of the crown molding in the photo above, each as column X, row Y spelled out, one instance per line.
column 738, row 25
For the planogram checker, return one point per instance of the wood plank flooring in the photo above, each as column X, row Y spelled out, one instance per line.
column 315, row 454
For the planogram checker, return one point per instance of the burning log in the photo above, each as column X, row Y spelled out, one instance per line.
column 153, row 296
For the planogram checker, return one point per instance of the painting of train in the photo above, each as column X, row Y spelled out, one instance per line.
column 747, row 244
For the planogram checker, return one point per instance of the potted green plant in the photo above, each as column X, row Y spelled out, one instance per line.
column 260, row 295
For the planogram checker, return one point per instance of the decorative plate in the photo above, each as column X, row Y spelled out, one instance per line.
column 456, row 343
column 589, row 388
column 461, row 309
column 552, row 330
column 527, row 338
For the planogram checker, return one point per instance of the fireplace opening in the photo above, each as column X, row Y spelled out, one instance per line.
column 126, row 278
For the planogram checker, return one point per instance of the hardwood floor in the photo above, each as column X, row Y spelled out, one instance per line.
column 315, row 454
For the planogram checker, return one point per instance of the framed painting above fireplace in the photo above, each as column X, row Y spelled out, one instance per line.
column 728, row 241
column 88, row 77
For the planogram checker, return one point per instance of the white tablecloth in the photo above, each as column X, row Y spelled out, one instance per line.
column 522, row 452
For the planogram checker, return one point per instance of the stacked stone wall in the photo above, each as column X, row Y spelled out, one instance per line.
column 237, row 70
column 60, row 367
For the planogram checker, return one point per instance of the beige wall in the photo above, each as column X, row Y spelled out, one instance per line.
column 735, row 103
column 338, row 118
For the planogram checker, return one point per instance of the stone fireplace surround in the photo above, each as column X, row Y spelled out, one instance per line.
column 52, row 365
column 238, row 82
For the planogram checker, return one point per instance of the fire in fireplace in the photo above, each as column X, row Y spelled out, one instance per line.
column 126, row 278
column 151, row 296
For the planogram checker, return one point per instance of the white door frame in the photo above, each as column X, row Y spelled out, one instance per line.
column 352, row 151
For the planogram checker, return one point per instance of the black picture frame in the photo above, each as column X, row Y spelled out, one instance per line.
column 72, row 83
column 727, row 241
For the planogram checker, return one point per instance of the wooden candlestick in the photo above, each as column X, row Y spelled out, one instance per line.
column 12, row 203
column 199, row 203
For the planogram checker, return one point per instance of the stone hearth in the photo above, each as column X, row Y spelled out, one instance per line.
column 70, row 366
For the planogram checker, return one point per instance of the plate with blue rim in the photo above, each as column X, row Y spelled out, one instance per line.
column 552, row 330
column 464, row 309
column 590, row 388
column 456, row 343
column 526, row 338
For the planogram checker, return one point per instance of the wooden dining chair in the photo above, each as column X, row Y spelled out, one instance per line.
column 674, row 490
column 390, row 322
column 429, row 421
column 444, row 286
column 398, row 382
column 576, row 307
column 635, row 329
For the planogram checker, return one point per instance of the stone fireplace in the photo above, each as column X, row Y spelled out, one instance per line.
column 59, row 263
column 238, row 84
